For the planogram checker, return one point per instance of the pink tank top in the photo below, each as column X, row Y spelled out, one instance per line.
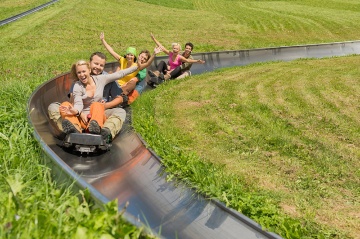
column 176, row 63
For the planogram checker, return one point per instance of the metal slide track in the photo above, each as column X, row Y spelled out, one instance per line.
column 16, row 17
column 133, row 174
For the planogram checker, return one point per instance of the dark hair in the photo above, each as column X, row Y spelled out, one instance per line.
column 190, row 45
column 135, row 58
column 99, row 54
column 147, row 53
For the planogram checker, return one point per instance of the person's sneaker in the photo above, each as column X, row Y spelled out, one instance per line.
column 125, row 100
column 154, row 80
column 151, row 84
column 151, row 73
column 94, row 127
column 161, row 77
column 106, row 134
column 69, row 127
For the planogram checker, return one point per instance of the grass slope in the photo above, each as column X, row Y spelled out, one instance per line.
column 275, row 141
column 9, row 8
column 42, row 45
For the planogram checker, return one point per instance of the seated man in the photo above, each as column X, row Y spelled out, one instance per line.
column 175, row 65
column 97, row 64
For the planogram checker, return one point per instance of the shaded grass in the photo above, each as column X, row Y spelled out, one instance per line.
column 287, row 132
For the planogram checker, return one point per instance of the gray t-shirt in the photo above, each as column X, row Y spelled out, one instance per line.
column 82, row 101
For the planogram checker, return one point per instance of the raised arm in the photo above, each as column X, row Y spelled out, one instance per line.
column 166, row 51
column 117, row 75
column 186, row 65
column 183, row 59
column 108, row 47
column 150, row 60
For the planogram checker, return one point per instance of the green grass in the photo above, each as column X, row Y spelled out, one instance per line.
column 281, row 145
column 9, row 8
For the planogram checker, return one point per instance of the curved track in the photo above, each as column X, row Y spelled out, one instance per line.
column 133, row 174
column 16, row 17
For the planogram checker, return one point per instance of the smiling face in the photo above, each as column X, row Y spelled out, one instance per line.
column 188, row 49
column 176, row 48
column 83, row 73
column 143, row 58
column 97, row 65
column 130, row 57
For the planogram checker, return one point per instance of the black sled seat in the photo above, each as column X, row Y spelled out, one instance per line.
column 85, row 143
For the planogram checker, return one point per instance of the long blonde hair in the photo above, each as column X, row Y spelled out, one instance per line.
column 73, row 68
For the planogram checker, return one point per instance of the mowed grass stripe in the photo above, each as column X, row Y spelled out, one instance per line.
column 291, row 19
column 312, row 106
column 266, row 19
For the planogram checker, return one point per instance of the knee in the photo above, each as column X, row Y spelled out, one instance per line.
column 119, row 113
column 97, row 106
column 66, row 103
column 53, row 110
column 54, row 107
